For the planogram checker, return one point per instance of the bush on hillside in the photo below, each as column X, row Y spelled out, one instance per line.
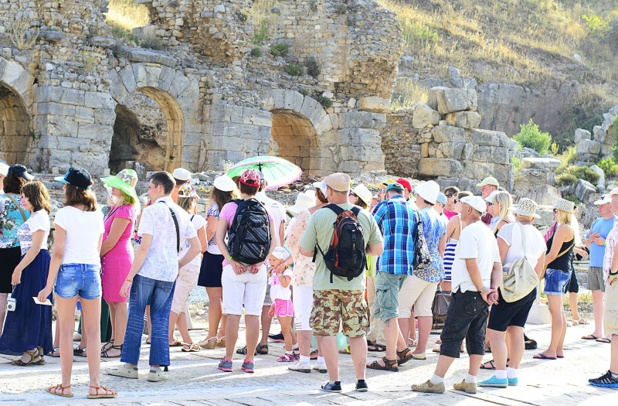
column 565, row 179
column 531, row 137
column 577, row 172
column 609, row 166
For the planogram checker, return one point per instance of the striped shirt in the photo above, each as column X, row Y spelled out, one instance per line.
column 397, row 221
column 449, row 257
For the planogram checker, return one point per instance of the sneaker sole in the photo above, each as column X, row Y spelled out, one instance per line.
column 304, row 371
column 362, row 390
column 322, row 371
column 330, row 391
column 600, row 385
column 225, row 369
column 156, row 379
column 493, row 385
column 249, row 371
column 122, row 376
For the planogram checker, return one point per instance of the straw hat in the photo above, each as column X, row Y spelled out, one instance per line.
column 304, row 201
column 564, row 205
column 525, row 207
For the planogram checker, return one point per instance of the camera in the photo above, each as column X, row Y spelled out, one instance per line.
column 11, row 304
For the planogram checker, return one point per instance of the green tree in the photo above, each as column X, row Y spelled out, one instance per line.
column 531, row 137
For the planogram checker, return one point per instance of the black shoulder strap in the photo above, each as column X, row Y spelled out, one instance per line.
column 175, row 225
column 356, row 210
column 338, row 210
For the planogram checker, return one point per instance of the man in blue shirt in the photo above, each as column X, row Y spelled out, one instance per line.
column 595, row 241
column 397, row 221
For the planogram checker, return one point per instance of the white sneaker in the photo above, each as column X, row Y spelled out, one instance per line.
column 320, row 367
column 300, row 367
column 156, row 376
column 122, row 371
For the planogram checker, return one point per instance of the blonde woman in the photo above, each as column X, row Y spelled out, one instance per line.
column 498, row 205
column 117, row 254
column 187, row 275
column 559, row 253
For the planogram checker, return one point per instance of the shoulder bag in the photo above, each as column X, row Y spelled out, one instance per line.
column 518, row 278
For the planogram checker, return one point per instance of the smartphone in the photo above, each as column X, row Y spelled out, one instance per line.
column 45, row 303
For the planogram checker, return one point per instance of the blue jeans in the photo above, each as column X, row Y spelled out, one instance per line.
column 555, row 281
column 79, row 279
column 158, row 295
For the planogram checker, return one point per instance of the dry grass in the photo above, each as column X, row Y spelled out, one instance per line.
column 406, row 93
column 518, row 41
column 127, row 14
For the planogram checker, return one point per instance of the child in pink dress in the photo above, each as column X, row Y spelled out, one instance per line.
column 281, row 295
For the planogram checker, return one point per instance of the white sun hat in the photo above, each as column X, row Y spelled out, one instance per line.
column 304, row 201
column 428, row 191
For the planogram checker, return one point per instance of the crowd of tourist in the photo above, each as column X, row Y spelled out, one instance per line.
column 349, row 262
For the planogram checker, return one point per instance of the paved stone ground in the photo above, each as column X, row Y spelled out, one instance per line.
column 194, row 379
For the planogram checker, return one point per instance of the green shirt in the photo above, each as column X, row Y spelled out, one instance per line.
column 320, row 231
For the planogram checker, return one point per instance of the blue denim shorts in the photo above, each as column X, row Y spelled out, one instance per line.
column 79, row 279
column 555, row 281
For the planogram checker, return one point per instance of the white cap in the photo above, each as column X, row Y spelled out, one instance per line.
column 322, row 186
column 476, row 202
column 4, row 168
column 224, row 183
column 281, row 253
column 363, row 193
column 614, row 191
column 304, row 201
column 603, row 200
column 181, row 174
column 429, row 191
column 492, row 197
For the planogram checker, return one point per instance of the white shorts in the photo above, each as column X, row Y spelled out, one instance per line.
column 303, row 303
column 418, row 293
column 246, row 290
column 187, row 279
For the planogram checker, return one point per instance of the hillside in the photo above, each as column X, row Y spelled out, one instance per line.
column 533, row 43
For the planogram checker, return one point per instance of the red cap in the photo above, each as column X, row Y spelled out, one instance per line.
column 251, row 178
column 405, row 183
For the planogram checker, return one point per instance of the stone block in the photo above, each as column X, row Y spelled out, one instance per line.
column 607, row 150
column 102, row 42
column 439, row 167
column 444, row 133
column 548, row 164
column 432, row 98
column 581, row 134
column 423, row 115
column 464, row 119
column 361, row 119
column 374, row 105
column 588, row 147
column 486, row 137
column 473, row 103
column 151, row 56
column 98, row 100
column 601, row 181
column 584, row 189
column 453, row 150
column 600, row 135
column 451, row 100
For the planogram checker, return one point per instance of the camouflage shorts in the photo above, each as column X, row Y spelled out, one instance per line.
column 334, row 307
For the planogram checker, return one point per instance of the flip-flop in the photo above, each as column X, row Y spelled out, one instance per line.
column 604, row 340
column 543, row 356
column 559, row 356
column 591, row 337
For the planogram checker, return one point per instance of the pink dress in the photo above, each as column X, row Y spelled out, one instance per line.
column 116, row 264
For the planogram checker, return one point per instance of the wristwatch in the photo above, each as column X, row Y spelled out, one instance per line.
column 483, row 290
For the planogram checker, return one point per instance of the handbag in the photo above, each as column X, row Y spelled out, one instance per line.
column 422, row 257
column 519, row 278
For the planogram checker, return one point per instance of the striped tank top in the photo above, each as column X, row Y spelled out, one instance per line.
column 449, row 255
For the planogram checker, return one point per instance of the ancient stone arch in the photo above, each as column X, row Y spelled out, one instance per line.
column 299, row 128
column 16, row 136
column 176, row 95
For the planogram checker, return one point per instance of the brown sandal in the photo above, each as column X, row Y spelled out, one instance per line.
column 404, row 355
column 108, row 393
column 389, row 365
column 36, row 358
column 58, row 390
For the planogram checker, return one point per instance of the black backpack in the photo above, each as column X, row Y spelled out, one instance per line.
column 249, row 236
column 346, row 254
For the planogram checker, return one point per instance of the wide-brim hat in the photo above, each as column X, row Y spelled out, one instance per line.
column 122, row 182
column 304, row 201
column 525, row 207
column 429, row 191
column 564, row 205
column 363, row 193
column 224, row 183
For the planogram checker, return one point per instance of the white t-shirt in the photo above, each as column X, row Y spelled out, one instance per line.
column 535, row 243
column 476, row 241
column 83, row 229
column 198, row 222
column 276, row 210
column 39, row 220
column 277, row 291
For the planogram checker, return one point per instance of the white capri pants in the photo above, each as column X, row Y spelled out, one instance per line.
column 418, row 293
column 246, row 290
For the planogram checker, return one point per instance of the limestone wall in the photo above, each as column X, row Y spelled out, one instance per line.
column 591, row 148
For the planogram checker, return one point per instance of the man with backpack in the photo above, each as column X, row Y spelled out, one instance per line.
column 250, row 229
column 398, row 223
column 339, row 236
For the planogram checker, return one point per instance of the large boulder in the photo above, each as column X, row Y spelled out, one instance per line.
column 588, row 147
column 374, row 105
column 549, row 164
column 581, row 134
column 431, row 167
column 423, row 115
column 601, row 181
column 464, row 119
column 449, row 100
column 584, row 189
column 445, row 133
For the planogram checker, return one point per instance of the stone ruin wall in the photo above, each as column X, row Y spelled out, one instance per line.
column 76, row 88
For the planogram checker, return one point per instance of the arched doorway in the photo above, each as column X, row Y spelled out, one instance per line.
column 296, row 139
column 14, row 126
column 148, row 129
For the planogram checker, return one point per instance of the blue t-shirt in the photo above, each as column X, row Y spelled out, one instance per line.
column 597, row 251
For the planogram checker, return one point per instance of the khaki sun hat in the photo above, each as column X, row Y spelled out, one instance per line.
column 339, row 182
column 525, row 207
column 564, row 205
column 490, row 180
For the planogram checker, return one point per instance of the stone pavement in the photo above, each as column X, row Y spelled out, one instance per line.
column 194, row 379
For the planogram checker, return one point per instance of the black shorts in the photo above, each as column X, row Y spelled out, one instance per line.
column 466, row 318
column 9, row 259
column 573, row 285
column 210, row 271
column 506, row 314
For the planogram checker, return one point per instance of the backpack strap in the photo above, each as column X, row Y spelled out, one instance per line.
column 175, row 225
column 338, row 210
column 21, row 211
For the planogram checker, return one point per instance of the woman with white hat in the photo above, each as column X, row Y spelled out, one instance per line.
column 419, row 288
column 559, row 255
column 117, row 254
column 361, row 196
column 224, row 189
column 302, row 283
column 515, row 241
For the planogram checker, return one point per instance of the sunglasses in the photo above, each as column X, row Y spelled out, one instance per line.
column 490, row 204
column 449, row 195
column 555, row 211
column 352, row 194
